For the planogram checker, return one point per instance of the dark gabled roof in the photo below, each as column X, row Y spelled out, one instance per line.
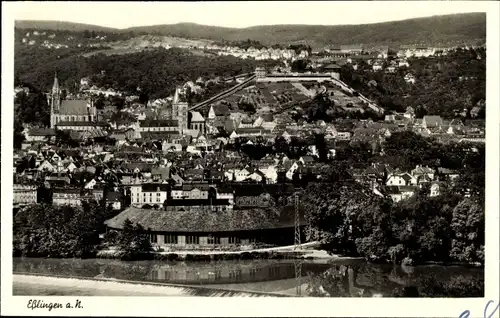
column 199, row 186
column 158, row 135
column 197, row 220
column 154, row 187
column 406, row 177
column 42, row 132
column 251, row 130
column 82, row 123
column 433, row 121
column 163, row 171
column 158, row 123
column 308, row 158
column 74, row 107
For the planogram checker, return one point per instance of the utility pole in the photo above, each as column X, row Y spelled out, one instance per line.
column 297, row 222
column 297, row 243
column 298, row 276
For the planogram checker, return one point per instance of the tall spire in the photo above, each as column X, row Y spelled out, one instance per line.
column 55, row 87
column 176, row 96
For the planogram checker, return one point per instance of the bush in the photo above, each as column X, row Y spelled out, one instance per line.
column 459, row 286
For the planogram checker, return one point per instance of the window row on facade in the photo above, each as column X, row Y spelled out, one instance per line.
column 169, row 239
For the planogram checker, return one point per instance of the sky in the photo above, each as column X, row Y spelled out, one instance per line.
column 237, row 14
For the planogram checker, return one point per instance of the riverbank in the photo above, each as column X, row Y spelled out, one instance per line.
column 225, row 278
column 307, row 251
column 44, row 285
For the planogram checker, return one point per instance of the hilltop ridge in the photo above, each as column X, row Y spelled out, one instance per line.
column 454, row 29
column 61, row 26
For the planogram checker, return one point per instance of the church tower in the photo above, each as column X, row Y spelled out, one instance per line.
column 180, row 111
column 211, row 115
column 54, row 100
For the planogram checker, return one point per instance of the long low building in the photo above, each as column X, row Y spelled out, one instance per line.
column 205, row 229
column 80, row 125
column 299, row 77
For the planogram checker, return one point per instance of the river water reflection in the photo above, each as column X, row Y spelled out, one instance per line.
column 333, row 278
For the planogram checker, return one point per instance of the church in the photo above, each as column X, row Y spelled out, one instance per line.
column 71, row 114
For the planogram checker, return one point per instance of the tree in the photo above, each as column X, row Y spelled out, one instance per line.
column 63, row 137
column 45, row 231
column 132, row 240
column 281, row 145
column 299, row 65
column 118, row 102
column 333, row 211
column 18, row 135
column 247, row 107
column 468, row 227
column 99, row 102
column 409, row 147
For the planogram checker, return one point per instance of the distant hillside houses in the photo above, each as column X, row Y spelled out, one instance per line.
column 94, row 90
column 409, row 51
column 258, row 54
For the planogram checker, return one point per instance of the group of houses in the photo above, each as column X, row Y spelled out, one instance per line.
column 257, row 54
column 185, row 178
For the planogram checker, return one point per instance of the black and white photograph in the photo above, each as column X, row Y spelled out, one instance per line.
column 256, row 149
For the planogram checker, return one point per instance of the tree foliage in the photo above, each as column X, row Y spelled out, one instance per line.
column 171, row 67
column 132, row 240
column 350, row 220
column 49, row 231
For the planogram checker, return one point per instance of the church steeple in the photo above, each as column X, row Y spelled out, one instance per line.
column 176, row 96
column 55, row 101
column 55, row 87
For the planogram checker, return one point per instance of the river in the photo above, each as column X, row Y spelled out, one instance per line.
column 315, row 278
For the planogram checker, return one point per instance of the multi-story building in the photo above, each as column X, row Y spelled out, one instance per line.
column 70, row 197
column 24, row 194
column 149, row 193
column 158, row 125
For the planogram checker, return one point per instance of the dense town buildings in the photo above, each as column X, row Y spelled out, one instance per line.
column 174, row 171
